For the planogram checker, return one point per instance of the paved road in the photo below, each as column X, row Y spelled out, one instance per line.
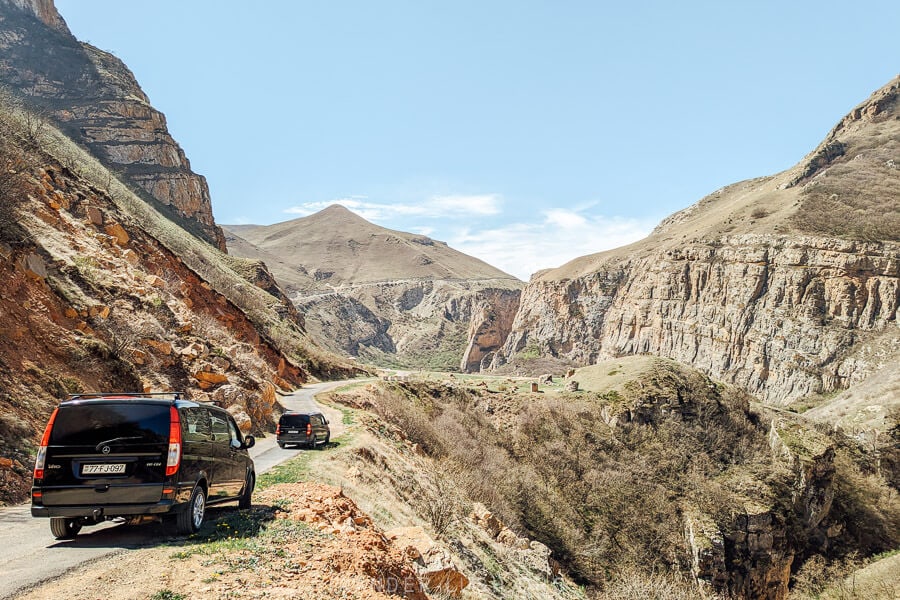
column 29, row 554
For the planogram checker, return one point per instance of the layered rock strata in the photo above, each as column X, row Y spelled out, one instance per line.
column 97, row 101
column 776, row 315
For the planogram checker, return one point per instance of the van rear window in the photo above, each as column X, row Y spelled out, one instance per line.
column 90, row 424
column 294, row 420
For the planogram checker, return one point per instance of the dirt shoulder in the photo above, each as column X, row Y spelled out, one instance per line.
column 301, row 540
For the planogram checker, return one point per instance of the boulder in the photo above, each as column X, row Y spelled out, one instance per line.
column 244, row 423
column 282, row 384
column 485, row 519
column 118, row 233
column 537, row 558
column 131, row 256
column 193, row 351
column 99, row 310
column 159, row 346
column 138, row 357
column 34, row 266
column 433, row 564
column 94, row 216
column 228, row 395
column 572, row 386
column 210, row 377
column 220, row 363
column 508, row 537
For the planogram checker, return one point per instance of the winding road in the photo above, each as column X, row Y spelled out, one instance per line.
column 29, row 554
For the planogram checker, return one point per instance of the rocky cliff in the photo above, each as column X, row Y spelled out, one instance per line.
column 386, row 296
column 96, row 100
column 786, row 285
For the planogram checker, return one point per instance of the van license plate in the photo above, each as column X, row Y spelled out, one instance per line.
column 103, row 469
column 293, row 431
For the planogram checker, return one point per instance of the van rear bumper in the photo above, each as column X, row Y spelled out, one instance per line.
column 118, row 510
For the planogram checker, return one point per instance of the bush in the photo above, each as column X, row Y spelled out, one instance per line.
column 604, row 500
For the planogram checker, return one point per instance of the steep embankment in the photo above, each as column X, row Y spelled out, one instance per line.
column 650, row 472
column 103, row 293
column 385, row 295
column 786, row 285
column 95, row 99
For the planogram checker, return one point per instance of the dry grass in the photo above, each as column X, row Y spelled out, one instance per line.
column 265, row 311
column 604, row 499
column 856, row 198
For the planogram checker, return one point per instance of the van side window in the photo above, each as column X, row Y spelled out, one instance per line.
column 220, row 430
column 197, row 427
column 236, row 441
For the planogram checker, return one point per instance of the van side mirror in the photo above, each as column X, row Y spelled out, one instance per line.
column 326, row 421
column 249, row 441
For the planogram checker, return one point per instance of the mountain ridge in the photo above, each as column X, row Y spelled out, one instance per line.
column 381, row 294
column 342, row 232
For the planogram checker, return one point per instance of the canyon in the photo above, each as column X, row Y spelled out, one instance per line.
column 718, row 402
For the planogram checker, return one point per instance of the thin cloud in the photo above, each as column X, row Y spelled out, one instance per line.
column 455, row 206
column 522, row 249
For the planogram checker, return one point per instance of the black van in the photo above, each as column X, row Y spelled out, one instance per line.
column 105, row 456
column 302, row 428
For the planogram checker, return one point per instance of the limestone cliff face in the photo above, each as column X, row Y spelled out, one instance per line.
column 776, row 284
column 775, row 315
column 96, row 100
column 489, row 326
column 421, row 322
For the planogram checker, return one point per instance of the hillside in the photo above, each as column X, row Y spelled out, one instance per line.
column 386, row 296
column 347, row 249
column 103, row 292
column 96, row 100
column 784, row 285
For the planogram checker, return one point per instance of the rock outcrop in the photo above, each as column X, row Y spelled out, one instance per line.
column 97, row 101
column 753, row 555
column 753, row 285
column 489, row 325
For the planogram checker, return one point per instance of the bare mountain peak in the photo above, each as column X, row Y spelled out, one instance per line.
column 338, row 213
column 880, row 107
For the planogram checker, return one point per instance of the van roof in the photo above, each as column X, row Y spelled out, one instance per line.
column 126, row 395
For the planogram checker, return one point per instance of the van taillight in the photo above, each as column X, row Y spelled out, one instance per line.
column 278, row 429
column 42, row 451
column 174, row 457
column 309, row 429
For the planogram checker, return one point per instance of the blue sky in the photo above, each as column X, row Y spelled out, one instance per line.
column 524, row 133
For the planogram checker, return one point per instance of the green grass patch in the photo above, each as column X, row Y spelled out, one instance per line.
column 167, row 595
column 290, row 471
column 244, row 540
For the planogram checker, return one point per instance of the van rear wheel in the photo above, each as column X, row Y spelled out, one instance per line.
column 189, row 521
column 63, row 528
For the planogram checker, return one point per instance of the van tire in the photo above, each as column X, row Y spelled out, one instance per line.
column 190, row 520
column 246, row 500
column 63, row 528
